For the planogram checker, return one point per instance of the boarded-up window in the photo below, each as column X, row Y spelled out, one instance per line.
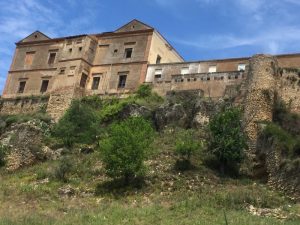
column 122, row 81
column 96, row 82
column 52, row 56
column 29, row 58
column 44, row 86
column 212, row 69
column 184, row 70
column 21, row 86
column 157, row 73
column 83, row 80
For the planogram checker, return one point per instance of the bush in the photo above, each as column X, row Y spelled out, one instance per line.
column 78, row 125
column 126, row 148
column 3, row 150
column 144, row 90
column 187, row 145
column 227, row 139
column 63, row 169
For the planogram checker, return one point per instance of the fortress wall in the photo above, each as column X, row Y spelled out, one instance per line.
column 23, row 105
column 261, row 86
column 288, row 88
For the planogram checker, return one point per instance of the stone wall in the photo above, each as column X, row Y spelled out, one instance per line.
column 261, row 87
column 289, row 87
column 23, row 105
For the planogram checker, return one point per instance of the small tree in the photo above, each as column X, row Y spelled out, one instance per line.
column 144, row 90
column 126, row 148
column 187, row 144
column 78, row 125
column 227, row 139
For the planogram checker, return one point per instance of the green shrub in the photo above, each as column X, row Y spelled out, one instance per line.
column 78, row 125
column 187, row 144
column 3, row 151
column 126, row 148
column 63, row 169
column 227, row 139
column 144, row 90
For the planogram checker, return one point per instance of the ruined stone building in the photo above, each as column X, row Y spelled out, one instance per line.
column 53, row 71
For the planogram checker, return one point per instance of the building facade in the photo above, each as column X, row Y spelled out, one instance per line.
column 112, row 63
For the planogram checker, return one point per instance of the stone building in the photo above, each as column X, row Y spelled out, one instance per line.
column 109, row 63
column 53, row 71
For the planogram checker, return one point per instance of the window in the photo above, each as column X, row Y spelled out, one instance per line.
column 29, row 58
column 80, row 49
column 70, row 50
column 21, row 86
column 122, row 81
column 72, row 70
column 212, row 69
column 51, row 58
column 157, row 73
column 184, row 70
column 128, row 53
column 83, row 80
column 44, row 86
column 158, row 59
column 95, row 84
column 62, row 70
column 241, row 67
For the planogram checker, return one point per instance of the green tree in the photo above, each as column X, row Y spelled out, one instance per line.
column 144, row 90
column 78, row 125
column 227, row 139
column 187, row 144
column 126, row 147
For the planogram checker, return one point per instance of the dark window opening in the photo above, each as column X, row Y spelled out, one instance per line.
column 157, row 76
column 158, row 59
column 195, row 79
column 208, row 78
column 44, row 86
column 62, row 71
column 236, row 76
column 83, row 80
column 70, row 50
column 21, row 86
column 122, row 81
column 51, row 58
column 80, row 49
column 96, row 81
column 128, row 53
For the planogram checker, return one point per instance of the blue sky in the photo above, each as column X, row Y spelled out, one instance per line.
column 198, row 29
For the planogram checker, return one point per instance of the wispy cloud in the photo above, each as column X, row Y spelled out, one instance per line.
column 270, row 40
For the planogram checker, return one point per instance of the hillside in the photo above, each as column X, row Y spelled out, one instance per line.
column 49, row 180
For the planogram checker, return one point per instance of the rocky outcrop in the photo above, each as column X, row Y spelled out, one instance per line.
column 24, row 141
column 186, row 109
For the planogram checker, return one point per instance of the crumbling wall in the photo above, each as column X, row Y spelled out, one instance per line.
column 289, row 87
column 29, row 104
column 261, row 87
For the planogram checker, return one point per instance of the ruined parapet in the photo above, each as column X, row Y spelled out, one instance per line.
column 261, row 88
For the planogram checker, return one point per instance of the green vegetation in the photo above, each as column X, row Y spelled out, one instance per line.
column 78, row 125
column 187, row 145
column 126, row 148
column 144, row 91
column 226, row 139
column 98, row 187
column 3, row 150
